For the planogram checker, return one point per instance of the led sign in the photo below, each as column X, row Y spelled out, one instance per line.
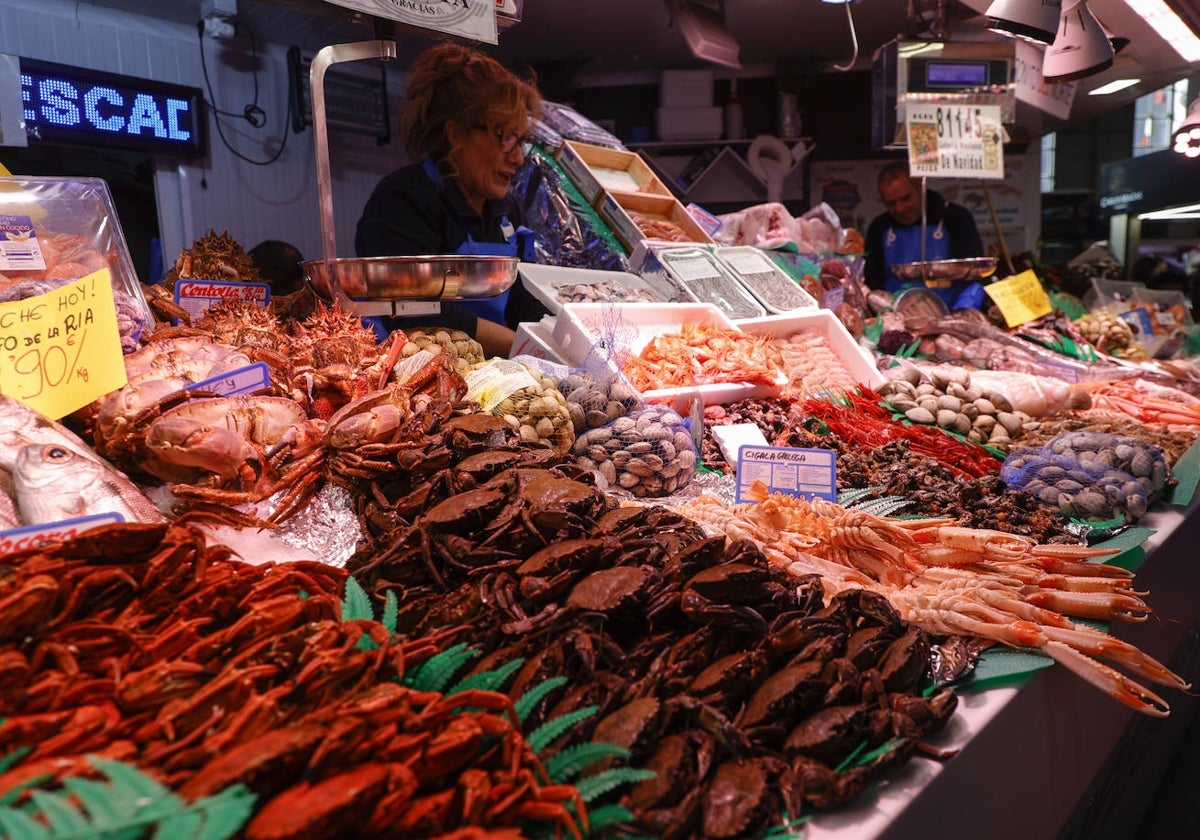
column 74, row 105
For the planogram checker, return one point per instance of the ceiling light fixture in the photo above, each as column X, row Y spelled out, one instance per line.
column 1031, row 20
column 1159, row 16
column 703, row 27
column 1186, row 140
column 1114, row 86
column 1191, row 211
column 1081, row 49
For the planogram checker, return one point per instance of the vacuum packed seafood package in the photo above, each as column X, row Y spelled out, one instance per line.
column 56, row 230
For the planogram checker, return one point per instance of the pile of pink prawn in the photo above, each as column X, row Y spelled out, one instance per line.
column 964, row 581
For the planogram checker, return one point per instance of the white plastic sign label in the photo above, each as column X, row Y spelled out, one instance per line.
column 954, row 141
column 19, row 248
column 244, row 380
column 808, row 473
column 32, row 536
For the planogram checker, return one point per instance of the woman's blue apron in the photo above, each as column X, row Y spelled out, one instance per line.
column 903, row 245
column 518, row 242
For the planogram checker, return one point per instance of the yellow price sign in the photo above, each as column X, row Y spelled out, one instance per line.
column 1020, row 298
column 61, row 350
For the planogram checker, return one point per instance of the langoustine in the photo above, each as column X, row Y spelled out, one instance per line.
column 948, row 579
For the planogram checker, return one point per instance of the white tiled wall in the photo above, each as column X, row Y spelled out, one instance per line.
column 251, row 202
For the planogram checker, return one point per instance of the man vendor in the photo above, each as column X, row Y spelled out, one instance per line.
column 894, row 237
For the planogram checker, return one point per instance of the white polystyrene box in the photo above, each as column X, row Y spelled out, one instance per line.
column 585, row 331
column 536, row 338
column 686, row 89
column 857, row 359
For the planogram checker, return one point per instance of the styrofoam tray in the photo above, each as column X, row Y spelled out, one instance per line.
column 604, row 330
column 536, row 338
column 857, row 359
column 542, row 282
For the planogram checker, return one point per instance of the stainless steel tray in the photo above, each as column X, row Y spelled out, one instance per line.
column 414, row 278
column 941, row 273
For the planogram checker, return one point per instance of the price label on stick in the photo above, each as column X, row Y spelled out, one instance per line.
column 954, row 141
column 1020, row 298
column 61, row 350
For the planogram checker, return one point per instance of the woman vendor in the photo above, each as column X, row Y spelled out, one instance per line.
column 465, row 123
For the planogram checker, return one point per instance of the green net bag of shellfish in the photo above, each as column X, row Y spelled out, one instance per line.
column 529, row 400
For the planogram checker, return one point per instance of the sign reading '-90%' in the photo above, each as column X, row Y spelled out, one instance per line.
column 61, row 350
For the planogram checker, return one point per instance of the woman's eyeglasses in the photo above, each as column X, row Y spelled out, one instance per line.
column 510, row 140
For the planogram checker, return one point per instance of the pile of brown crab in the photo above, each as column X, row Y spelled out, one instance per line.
column 747, row 693
column 332, row 391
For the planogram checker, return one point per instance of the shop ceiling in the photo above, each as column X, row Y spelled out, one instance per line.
column 631, row 39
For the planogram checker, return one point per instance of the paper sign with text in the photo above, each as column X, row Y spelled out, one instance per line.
column 474, row 19
column 61, row 350
column 1020, row 298
column 954, row 141
column 810, row 473
column 196, row 297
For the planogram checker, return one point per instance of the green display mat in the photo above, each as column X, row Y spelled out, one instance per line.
column 1187, row 471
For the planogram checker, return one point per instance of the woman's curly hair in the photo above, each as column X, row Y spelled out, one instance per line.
column 454, row 82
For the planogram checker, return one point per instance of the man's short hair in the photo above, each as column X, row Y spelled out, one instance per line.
column 892, row 171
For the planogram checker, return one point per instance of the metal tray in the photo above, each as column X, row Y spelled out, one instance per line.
column 414, row 278
column 941, row 273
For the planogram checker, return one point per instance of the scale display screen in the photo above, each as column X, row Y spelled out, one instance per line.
column 73, row 105
column 956, row 74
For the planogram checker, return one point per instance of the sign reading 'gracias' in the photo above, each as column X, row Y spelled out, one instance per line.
column 73, row 105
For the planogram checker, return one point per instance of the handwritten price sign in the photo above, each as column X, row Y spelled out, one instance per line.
column 1020, row 298
column 61, row 350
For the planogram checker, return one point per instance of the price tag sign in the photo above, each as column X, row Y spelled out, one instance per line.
column 244, row 380
column 61, row 350
column 32, row 536
column 810, row 473
column 1020, row 298
column 954, row 141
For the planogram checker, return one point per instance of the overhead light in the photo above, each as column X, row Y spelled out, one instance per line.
column 1191, row 211
column 1113, row 87
column 1081, row 48
column 1032, row 20
column 1159, row 16
column 1186, row 139
column 703, row 27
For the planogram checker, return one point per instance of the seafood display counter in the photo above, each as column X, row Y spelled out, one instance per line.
column 1049, row 756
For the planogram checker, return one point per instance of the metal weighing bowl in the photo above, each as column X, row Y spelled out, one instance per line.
column 939, row 274
column 414, row 278
column 920, row 303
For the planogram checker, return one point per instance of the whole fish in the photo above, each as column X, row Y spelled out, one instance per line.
column 53, row 483
column 21, row 426
column 9, row 517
